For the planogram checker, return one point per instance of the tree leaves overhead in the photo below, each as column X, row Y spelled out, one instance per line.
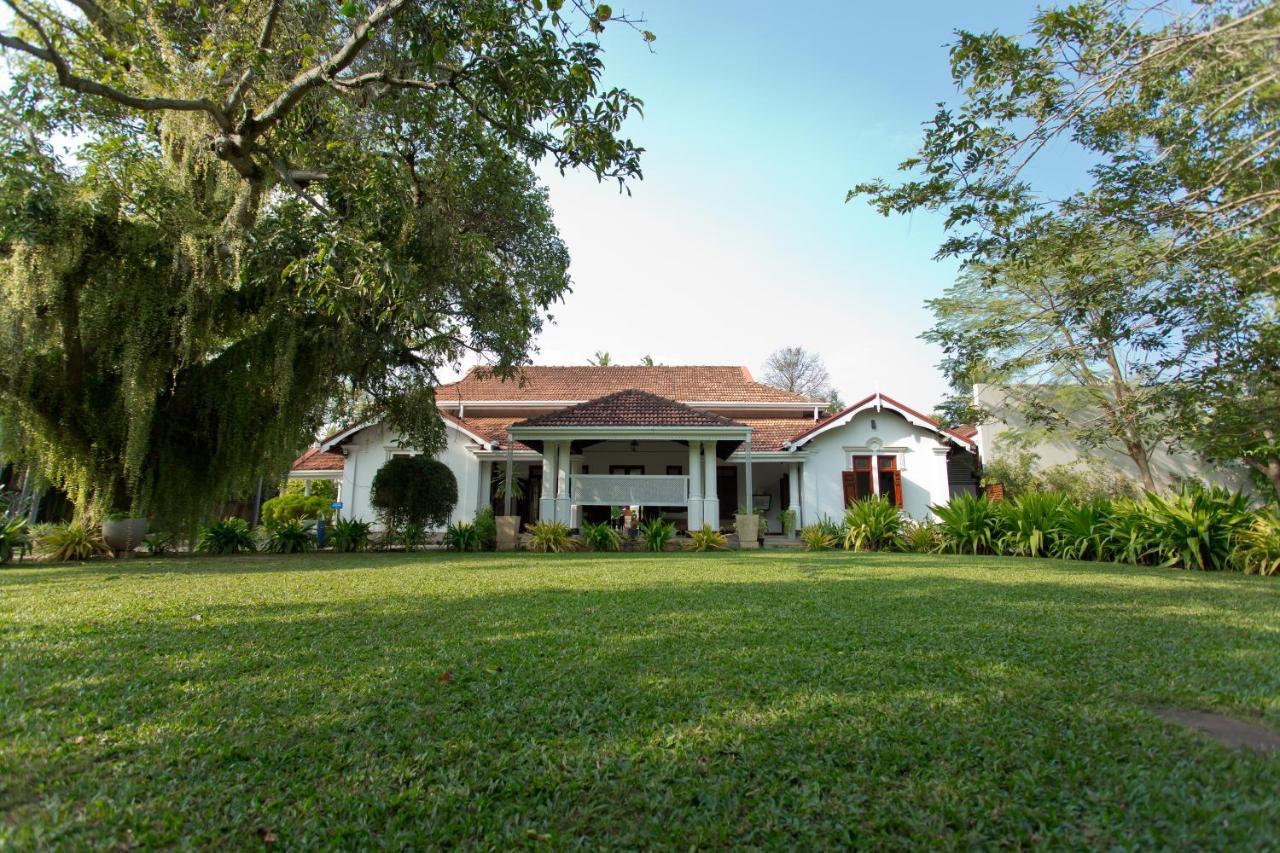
column 223, row 222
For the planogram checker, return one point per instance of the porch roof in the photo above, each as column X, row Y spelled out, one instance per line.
column 629, row 408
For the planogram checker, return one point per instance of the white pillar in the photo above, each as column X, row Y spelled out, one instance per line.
column 793, row 489
column 695, row 485
column 485, row 497
column 575, row 511
column 563, row 501
column 751, row 503
column 547, row 503
column 710, row 503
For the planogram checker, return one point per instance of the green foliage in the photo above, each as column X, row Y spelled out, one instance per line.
column 1084, row 530
column 1258, row 550
column 13, row 537
column 657, row 533
column 295, row 507
column 229, row 536
column 919, row 537
column 1017, row 471
column 411, row 537
column 969, row 524
column 1198, row 528
column 249, row 234
column 415, row 490
column 1029, row 523
column 550, row 537
column 289, row 537
column 600, row 537
column 871, row 524
column 74, row 541
column 462, row 536
column 787, row 518
column 159, row 544
column 349, row 534
column 822, row 535
column 486, row 529
column 707, row 539
column 327, row 489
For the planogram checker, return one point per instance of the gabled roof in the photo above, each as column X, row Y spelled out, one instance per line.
column 880, row 401
column 701, row 383
column 315, row 459
column 629, row 408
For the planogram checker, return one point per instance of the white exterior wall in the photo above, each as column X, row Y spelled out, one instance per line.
column 922, row 459
column 369, row 449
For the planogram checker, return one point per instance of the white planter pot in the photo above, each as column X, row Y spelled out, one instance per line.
column 124, row 534
column 748, row 528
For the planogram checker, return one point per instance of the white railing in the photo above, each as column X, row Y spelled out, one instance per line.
column 632, row 490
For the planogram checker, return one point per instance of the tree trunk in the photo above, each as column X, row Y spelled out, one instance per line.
column 1269, row 469
column 1142, row 458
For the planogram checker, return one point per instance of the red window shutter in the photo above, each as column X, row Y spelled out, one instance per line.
column 897, row 488
column 850, row 486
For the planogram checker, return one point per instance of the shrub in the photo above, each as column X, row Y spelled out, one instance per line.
column 600, row 537
column 707, row 539
column 158, row 544
column 818, row 537
column 1199, row 527
column 1082, row 532
column 327, row 489
column 290, row 537
column 1129, row 535
column 657, row 533
column 350, row 534
column 486, row 529
column 871, row 524
column 919, row 537
column 412, row 537
column 969, row 523
column 414, row 490
column 1259, row 549
column 13, row 537
column 550, row 537
column 462, row 537
column 230, row 536
column 1029, row 523
column 787, row 518
column 71, row 541
column 295, row 507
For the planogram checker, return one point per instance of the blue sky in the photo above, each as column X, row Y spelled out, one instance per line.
column 759, row 117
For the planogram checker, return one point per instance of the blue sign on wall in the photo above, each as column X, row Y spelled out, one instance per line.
column 336, row 505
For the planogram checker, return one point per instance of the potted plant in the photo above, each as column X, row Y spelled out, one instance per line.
column 747, row 525
column 124, row 532
column 788, row 519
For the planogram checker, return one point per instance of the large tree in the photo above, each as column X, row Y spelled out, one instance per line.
column 1180, row 116
column 267, row 206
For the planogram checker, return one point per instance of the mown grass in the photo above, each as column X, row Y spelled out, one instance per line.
column 765, row 699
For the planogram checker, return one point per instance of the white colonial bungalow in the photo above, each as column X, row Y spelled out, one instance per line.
column 690, row 443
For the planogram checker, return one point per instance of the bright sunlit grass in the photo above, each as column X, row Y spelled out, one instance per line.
column 768, row 699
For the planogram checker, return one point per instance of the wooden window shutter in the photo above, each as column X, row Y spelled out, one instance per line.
column 897, row 487
column 850, row 481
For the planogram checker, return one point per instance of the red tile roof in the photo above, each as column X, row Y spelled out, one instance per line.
column 315, row 460
column 586, row 382
column 892, row 403
column 631, row 407
column 768, row 434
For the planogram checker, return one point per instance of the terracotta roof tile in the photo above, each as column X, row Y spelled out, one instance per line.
column 631, row 407
column 587, row 382
column 768, row 434
column 314, row 460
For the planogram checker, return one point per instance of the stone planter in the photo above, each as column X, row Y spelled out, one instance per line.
column 508, row 538
column 124, row 534
column 748, row 528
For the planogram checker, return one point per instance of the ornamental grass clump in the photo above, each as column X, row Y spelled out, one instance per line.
column 349, row 534
column 550, row 537
column 1259, row 549
column 706, row 539
column 970, row 524
column 919, row 537
column 600, row 537
column 1198, row 528
column 871, row 524
column 462, row 537
column 822, row 535
column 74, row 541
column 1029, row 523
column 657, row 533
column 289, row 537
column 229, row 536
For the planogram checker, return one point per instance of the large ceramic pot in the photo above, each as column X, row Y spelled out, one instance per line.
column 124, row 534
column 748, row 527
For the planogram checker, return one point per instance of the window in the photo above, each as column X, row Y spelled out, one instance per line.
column 626, row 470
column 675, row 470
column 857, row 481
column 890, row 479
column 861, row 481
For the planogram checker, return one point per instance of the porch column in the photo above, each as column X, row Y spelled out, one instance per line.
column 793, row 487
column 485, row 497
column 751, row 503
column 547, row 503
column 563, row 502
column 695, row 485
column 710, row 503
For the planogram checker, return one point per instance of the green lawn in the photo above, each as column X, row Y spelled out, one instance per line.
column 764, row 699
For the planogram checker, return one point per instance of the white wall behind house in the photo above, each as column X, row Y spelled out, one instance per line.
column 924, row 471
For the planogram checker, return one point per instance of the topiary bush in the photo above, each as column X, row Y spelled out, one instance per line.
column 414, row 490
column 327, row 489
column 295, row 507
